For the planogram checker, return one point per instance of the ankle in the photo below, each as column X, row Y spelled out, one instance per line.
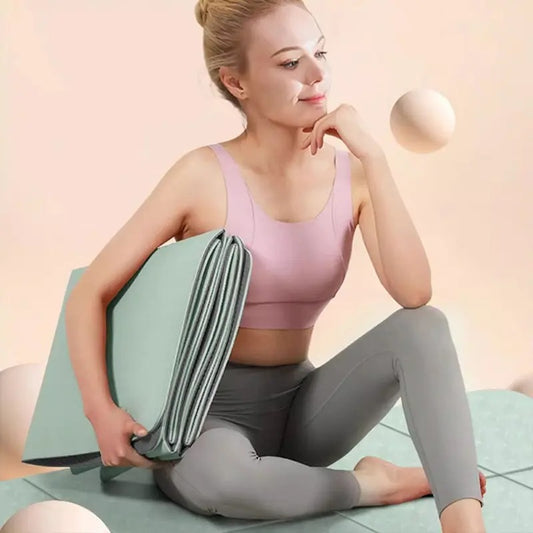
column 372, row 492
column 462, row 516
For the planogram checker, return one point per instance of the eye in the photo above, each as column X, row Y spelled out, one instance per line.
column 321, row 54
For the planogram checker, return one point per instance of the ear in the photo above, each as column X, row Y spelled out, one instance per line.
column 228, row 78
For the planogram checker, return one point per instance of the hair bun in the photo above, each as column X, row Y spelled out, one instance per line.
column 202, row 8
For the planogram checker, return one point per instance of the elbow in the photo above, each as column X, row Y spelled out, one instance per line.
column 419, row 301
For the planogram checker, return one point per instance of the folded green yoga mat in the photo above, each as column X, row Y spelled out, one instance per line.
column 170, row 331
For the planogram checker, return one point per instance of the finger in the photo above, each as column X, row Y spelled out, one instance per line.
column 139, row 430
column 138, row 460
column 316, row 143
column 316, row 139
column 135, row 457
column 141, row 460
column 155, row 465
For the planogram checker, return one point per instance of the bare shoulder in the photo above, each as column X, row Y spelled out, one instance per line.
column 201, row 168
column 161, row 216
column 187, row 172
column 195, row 162
column 200, row 164
column 359, row 186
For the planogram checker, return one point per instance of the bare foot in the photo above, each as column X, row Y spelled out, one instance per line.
column 384, row 483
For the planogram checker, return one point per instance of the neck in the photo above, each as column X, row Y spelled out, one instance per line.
column 278, row 156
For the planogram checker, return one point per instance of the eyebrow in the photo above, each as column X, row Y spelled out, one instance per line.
column 294, row 47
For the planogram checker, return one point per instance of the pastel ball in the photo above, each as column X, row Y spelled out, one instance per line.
column 422, row 120
column 54, row 516
column 19, row 390
column 524, row 385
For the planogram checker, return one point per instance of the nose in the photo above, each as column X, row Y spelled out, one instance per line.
column 316, row 73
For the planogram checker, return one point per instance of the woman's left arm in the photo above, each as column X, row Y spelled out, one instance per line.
column 403, row 258
column 402, row 254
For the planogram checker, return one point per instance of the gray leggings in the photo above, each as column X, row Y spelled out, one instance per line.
column 271, row 432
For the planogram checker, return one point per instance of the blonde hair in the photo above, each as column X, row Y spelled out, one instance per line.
column 225, row 24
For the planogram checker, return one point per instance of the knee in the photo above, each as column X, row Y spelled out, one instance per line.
column 422, row 320
column 181, row 491
column 423, row 330
column 216, row 465
column 233, row 465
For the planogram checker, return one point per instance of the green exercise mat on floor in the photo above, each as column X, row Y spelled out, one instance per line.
column 170, row 331
column 133, row 503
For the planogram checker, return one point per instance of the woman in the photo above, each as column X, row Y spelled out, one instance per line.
column 276, row 421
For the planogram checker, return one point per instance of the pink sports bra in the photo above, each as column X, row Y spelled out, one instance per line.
column 297, row 266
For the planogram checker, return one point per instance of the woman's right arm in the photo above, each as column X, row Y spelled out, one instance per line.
column 161, row 216
column 85, row 320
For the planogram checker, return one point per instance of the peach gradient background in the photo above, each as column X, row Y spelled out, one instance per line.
column 100, row 99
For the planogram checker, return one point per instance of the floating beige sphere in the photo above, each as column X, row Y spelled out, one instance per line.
column 422, row 120
column 19, row 390
column 523, row 384
column 54, row 516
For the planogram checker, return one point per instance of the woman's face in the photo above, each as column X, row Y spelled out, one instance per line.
column 278, row 80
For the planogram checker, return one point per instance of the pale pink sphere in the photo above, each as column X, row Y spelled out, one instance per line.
column 422, row 120
column 523, row 384
column 54, row 516
column 19, row 389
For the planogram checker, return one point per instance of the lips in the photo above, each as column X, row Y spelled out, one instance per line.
column 316, row 97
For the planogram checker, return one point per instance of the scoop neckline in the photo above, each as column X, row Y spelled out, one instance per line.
column 257, row 207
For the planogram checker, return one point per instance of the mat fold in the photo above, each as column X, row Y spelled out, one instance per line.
column 170, row 331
